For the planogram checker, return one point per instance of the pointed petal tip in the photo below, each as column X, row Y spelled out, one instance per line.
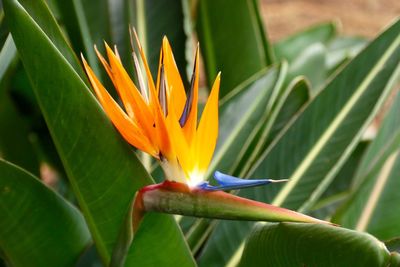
column 279, row 181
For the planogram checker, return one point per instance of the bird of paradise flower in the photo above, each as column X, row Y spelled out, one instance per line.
column 161, row 119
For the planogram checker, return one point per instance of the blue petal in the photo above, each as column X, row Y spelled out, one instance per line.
column 228, row 182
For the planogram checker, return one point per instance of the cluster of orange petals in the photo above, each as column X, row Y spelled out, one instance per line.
column 161, row 118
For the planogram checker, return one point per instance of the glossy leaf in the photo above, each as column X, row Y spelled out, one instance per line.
column 341, row 49
column 287, row 111
column 155, row 19
column 14, row 143
column 311, row 151
column 283, row 108
column 238, row 53
column 289, row 244
column 291, row 47
column 14, row 136
column 339, row 190
column 327, row 118
column 242, row 113
column 393, row 244
column 311, row 64
column 163, row 236
column 299, row 95
column 87, row 24
column 372, row 206
column 101, row 167
column 7, row 55
column 40, row 13
column 30, row 211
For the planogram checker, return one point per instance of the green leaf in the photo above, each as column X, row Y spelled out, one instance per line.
column 331, row 125
column 14, row 136
column 313, row 148
column 87, row 24
column 284, row 107
column 29, row 212
column 338, row 191
column 8, row 54
column 232, row 41
column 103, row 170
column 373, row 204
column 14, row 143
column 342, row 49
column 291, row 100
column 393, row 244
column 299, row 95
column 40, row 13
column 291, row 47
column 150, row 250
column 384, row 144
column 154, row 19
column 289, row 244
column 243, row 113
column 311, row 64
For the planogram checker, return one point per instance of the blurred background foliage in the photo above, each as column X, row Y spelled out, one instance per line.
column 300, row 98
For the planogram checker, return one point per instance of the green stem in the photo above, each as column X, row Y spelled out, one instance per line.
column 177, row 198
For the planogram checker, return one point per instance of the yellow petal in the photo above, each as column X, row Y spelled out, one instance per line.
column 176, row 92
column 179, row 143
column 128, row 129
column 207, row 132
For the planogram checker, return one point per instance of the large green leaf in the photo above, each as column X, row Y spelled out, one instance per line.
column 7, row 55
column 14, row 143
column 232, row 41
column 384, row 144
column 103, row 170
column 288, row 244
column 40, row 12
column 283, row 108
column 164, row 236
column 341, row 49
column 372, row 206
column 87, row 24
column 287, row 107
column 291, row 47
column 14, row 136
column 339, row 190
column 37, row 226
column 311, row 151
column 152, row 21
column 243, row 113
column 311, row 64
column 239, row 116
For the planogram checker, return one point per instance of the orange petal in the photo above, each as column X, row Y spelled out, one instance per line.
column 190, row 126
column 207, row 132
column 127, row 99
column 128, row 129
column 163, row 138
column 128, row 90
column 152, row 89
column 176, row 91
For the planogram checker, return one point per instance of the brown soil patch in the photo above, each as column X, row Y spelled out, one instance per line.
column 357, row 17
